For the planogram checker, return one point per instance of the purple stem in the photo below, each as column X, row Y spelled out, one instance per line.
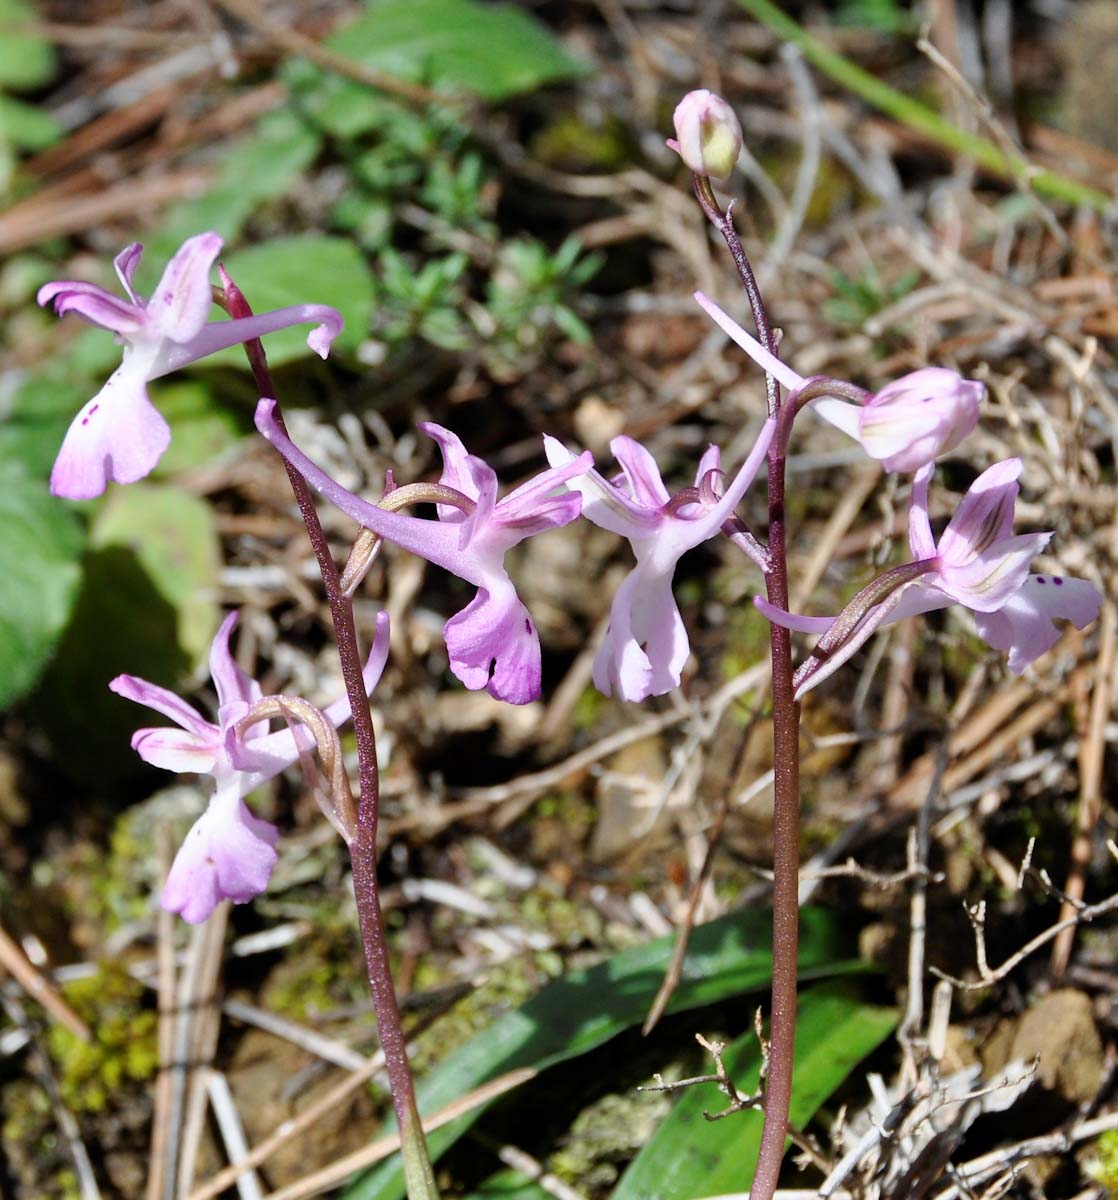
column 363, row 849
column 786, row 748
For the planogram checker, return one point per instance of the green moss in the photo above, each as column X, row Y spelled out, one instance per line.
column 1104, row 1165
column 574, row 144
column 122, row 1050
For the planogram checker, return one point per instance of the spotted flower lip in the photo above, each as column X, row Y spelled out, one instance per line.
column 646, row 645
column 119, row 435
column 229, row 853
column 492, row 643
column 977, row 563
column 905, row 426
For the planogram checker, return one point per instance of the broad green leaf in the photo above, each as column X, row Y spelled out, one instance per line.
column 202, row 428
column 311, row 269
column 26, row 59
column 257, row 170
column 689, row 1157
column 583, row 1010
column 172, row 535
column 25, row 126
column 490, row 50
column 36, row 422
column 39, row 577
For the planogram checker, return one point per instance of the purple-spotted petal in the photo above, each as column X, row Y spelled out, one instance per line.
column 228, row 855
column 118, row 436
column 493, row 644
column 126, row 263
column 183, row 299
column 93, row 304
column 1024, row 624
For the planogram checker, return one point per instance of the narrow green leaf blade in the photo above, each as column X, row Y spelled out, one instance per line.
column 583, row 1010
column 690, row 1157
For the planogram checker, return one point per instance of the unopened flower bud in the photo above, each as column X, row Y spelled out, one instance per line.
column 911, row 421
column 708, row 132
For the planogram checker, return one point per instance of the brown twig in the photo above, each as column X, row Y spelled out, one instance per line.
column 38, row 987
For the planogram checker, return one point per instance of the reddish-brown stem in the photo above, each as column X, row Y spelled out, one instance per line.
column 363, row 849
column 786, row 748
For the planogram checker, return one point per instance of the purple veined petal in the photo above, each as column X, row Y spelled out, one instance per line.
column 159, row 699
column 456, row 471
column 770, row 364
column 646, row 646
column 228, row 855
column 126, row 263
column 219, row 335
column 95, row 305
column 901, row 438
column 436, row 541
column 646, row 485
column 118, row 435
column 986, row 582
column 1024, row 625
column 920, row 539
column 984, row 515
column 231, row 682
column 484, row 485
column 604, row 504
column 183, row 298
column 176, row 750
column 493, row 644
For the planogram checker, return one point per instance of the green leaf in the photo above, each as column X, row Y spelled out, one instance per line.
column 257, row 170
column 490, row 50
column 202, row 428
column 26, row 60
column 583, row 1010
column 173, row 536
column 25, row 126
column 311, row 269
column 689, row 1157
column 39, row 577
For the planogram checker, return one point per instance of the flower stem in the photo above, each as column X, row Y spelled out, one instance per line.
column 418, row 1172
column 786, row 749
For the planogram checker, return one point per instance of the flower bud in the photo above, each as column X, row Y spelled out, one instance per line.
column 911, row 421
column 708, row 132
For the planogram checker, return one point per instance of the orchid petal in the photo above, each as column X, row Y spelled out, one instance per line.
column 231, row 682
column 646, row 646
column 792, row 621
column 1024, row 624
column 646, row 485
column 139, row 691
column 492, row 643
column 119, row 435
column 535, row 506
column 93, row 304
column 176, row 750
column 456, row 471
column 228, row 855
column 984, row 515
column 183, row 298
column 603, row 503
column 840, row 414
column 711, row 461
column 986, row 582
column 126, row 263
column 920, row 539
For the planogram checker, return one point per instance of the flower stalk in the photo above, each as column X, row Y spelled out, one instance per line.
column 418, row 1171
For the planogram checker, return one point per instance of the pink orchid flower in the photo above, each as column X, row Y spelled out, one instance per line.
column 905, row 426
column 977, row 563
column 228, row 853
column 708, row 134
column 492, row 643
column 119, row 435
column 646, row 644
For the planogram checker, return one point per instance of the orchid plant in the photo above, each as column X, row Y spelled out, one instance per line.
column 977, row 562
